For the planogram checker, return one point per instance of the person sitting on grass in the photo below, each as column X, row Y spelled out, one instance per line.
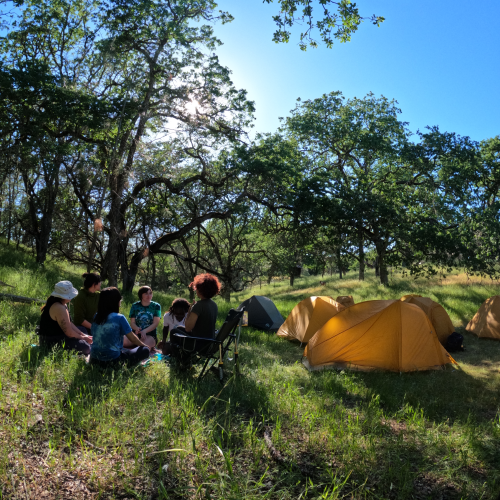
column 108, row 331
column 55, row 324
column 145, row 317
column 85, row 303
column 174, row 318
column 202, row 315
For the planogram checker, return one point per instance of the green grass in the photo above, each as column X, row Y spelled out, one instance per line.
column 69, row 430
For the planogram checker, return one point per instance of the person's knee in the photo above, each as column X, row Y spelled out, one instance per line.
column 149, row 341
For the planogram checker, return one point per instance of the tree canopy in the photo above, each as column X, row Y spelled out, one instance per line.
column 124, row 147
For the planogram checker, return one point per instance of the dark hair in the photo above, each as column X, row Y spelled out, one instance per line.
column 91, row 279
column 144, row 289
column 207, row 284
column 109, row 302
column 179, row 308
column 50, row 302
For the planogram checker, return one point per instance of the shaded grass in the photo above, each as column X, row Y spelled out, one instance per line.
column 70, row 430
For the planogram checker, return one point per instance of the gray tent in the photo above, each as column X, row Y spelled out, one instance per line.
column 262, row 313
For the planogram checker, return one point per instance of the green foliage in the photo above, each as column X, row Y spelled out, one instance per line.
column 339, row 24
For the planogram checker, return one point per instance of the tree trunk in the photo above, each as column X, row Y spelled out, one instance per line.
column 339, row 263
column 44, row 204
column 117, row 231
column 377, row 267
column 361, row 255
column 226, row 294
column 292, row 278
column 153, row 270
column 384, row 277
column 129, row 274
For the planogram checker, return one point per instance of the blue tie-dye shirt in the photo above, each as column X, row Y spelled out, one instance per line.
column 107, row 338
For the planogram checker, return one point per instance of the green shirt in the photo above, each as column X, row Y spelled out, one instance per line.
column 84, row 306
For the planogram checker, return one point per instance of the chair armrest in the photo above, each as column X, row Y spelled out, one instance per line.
column 181, row 336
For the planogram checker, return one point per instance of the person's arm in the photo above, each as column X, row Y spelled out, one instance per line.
column 133, row 338
column 150, row 328
column 86, row 324
column 134, row 326
column 166, row 329
column 61, row 314
column 191, row 319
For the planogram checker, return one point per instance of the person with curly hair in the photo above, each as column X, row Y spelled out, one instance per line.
column 202, row 315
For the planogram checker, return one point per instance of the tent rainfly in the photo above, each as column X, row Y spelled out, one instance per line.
column 262, row 313
column 377, row 335
column 307, row 317
column 436, row 313
column 486, row 322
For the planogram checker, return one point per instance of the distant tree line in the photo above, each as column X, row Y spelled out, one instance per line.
column 124, row 147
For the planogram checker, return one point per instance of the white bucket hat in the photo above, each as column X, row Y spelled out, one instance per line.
column 64, row 290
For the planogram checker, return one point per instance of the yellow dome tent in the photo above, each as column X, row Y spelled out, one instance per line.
column 486, row 322
column 377, row 335
column 345, row 300
column 307, row 317
column 436, row 313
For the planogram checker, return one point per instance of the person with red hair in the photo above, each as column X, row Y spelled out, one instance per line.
column 202, row 315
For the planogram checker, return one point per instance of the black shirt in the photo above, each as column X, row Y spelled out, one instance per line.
column 206, row 310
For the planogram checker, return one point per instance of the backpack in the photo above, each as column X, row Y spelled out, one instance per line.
column 455, row 343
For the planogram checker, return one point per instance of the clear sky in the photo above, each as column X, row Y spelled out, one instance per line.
column 440, row 59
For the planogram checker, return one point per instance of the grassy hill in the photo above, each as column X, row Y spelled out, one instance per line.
column 70, row 430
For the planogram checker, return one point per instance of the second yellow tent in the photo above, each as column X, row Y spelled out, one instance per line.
column 436, row 313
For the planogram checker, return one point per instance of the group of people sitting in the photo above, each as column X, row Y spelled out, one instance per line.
column 99, row 329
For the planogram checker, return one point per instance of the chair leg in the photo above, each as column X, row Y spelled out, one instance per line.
column 202, row 373
column 221, row 365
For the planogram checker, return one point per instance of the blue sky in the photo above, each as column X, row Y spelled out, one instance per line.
column 439, row 59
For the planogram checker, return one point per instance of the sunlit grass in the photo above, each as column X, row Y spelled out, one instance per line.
column 70, row 430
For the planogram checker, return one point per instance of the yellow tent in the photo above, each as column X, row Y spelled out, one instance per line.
column 377, row 335
column 436, row 313
column 486, row 322
column 345, row 300
column 307, row 317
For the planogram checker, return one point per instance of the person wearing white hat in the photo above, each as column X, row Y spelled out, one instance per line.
column 55, row 324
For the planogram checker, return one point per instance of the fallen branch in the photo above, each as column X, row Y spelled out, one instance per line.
column 275, row 454
column 20, row 298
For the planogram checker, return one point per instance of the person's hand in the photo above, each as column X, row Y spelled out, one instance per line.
column 88, row 339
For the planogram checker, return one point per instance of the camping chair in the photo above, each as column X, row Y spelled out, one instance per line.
column 187, row 352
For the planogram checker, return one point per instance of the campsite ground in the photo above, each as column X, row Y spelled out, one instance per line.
column 68, row 430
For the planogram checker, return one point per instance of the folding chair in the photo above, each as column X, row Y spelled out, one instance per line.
column 212, row 350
